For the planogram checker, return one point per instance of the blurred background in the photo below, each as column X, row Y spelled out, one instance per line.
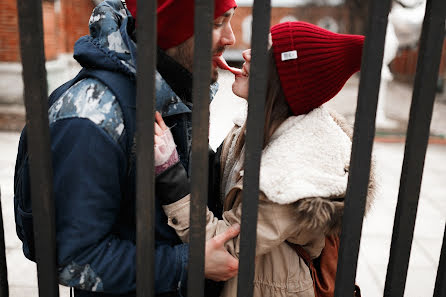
column 66, row 20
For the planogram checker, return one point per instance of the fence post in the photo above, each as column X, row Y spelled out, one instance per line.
column 423, row 97
column 254, row 140
column 41, row 175
column 440, row 283
column 203, row 20
column 145, row 175
column 364, row 131
column 4, row 290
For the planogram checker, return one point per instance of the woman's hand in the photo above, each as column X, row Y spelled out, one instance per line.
column 165, row 149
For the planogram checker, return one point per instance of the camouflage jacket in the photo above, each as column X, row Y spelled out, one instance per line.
column 94, row 193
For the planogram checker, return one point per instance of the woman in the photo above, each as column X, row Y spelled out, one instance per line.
column 305, row 159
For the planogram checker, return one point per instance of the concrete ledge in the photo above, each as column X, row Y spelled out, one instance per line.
column 11, row 83
column 12, row 117
column 61, row 70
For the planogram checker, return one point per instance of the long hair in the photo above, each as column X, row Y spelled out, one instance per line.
column 276, row 107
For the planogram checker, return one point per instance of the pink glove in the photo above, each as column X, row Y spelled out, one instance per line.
column 166, row 154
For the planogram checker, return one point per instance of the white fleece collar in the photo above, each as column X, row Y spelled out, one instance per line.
column 307, row 157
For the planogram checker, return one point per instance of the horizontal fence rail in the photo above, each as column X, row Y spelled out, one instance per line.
column 431, row 43
column 364, row 131
column 145, row 175
column 35, row 95
column 203, row 19
column 254, row 140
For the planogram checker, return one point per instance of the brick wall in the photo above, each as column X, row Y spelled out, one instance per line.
column 312, row 14
column 8, row 31
column 65, row 24
column 50, row 30
column 75, row 21
column 403, row 66
column 62, row 27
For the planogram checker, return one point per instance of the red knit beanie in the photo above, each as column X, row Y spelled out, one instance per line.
column 313, row 63
column 175, row 23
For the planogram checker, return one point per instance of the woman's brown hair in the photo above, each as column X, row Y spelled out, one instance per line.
column 276, row 107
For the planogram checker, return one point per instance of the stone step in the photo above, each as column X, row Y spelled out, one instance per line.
column 12, row 117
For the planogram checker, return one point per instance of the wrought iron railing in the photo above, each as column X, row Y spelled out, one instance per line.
column 35, row 93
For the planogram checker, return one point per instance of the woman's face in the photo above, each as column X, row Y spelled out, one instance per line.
column 240, row 86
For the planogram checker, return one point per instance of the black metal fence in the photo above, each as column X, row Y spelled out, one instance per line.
column 35, row 92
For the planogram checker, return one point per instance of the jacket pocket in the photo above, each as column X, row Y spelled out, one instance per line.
column 299, row 282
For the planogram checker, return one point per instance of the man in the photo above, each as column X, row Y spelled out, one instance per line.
column 92, row 126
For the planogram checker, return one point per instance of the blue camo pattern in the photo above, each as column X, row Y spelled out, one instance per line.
column 90, row 99
column 105, row 28
column 105, row 24
column 81, row 277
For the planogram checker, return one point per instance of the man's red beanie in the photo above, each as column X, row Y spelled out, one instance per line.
column 313, row 63
column 175, row 19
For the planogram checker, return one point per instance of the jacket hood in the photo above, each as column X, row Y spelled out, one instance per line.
column 306, row 164
column 315, row 153
column 109, row 46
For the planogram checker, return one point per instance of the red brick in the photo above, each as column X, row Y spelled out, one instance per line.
column 58, row 37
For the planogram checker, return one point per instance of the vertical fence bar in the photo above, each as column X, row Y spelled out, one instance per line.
column 203, row 20
column 4, row 290
column 35, row 94
column 362, row 147
column 145, row 175
column 423, row 97
column 254, row 139
column 440, row 283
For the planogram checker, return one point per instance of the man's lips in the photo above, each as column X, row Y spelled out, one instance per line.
column 221, row 63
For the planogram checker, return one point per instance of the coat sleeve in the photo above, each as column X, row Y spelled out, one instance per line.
column 276, row 223
column 88, row 166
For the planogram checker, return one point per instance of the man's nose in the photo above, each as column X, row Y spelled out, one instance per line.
column 228, row 37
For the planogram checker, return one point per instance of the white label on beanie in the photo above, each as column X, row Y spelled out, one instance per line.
column 291, row 55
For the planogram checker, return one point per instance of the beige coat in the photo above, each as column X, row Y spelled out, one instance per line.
column 303, row 179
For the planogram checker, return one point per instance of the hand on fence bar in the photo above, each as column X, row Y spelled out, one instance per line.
column 219, row 264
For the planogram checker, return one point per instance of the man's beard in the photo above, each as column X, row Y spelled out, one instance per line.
column 214, row 74
column 185, row 56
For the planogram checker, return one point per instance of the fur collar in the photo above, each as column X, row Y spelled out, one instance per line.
column 308, row 156
column 306, row 164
